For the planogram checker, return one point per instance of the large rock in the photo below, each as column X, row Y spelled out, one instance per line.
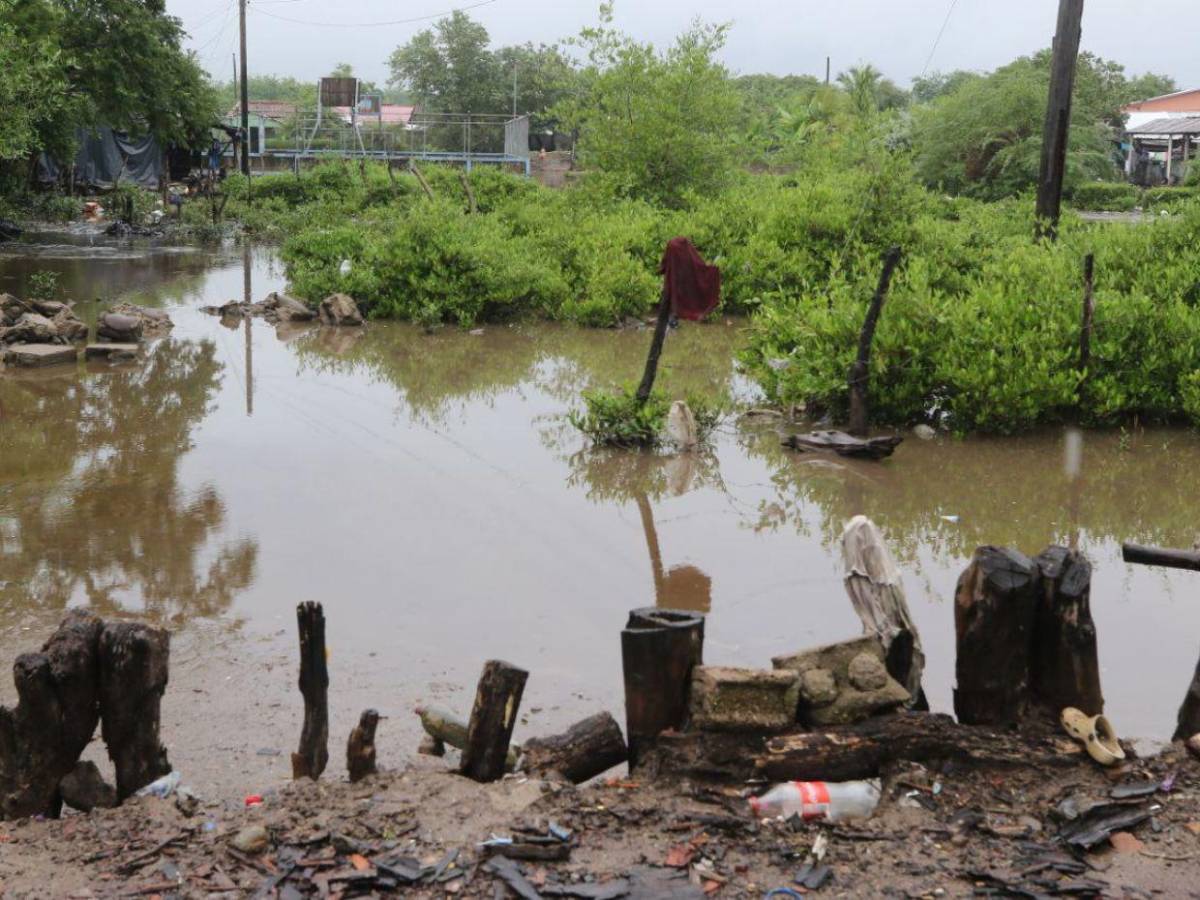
column 50, row 308
column 31, row 328
column 154, row 321
column 11, row 309
column 288, row 309
column 70, row 328
column 32, row 356
column 844, row 682
column 111, row 351
column 727, row 699
column 340, row 309
column 119, row 327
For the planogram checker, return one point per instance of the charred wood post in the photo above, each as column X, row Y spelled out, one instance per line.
column 360, row 749
column 133, row 677
column 659, row 649
column 55, row 717
column 994, row 607
column 877, row 595
column 656, row 346
column 1057, row 127
column 583, row 751
column 310, row 760
column 1066, row 667
column 1188, row 722
column 490, row 728
column 860, row 369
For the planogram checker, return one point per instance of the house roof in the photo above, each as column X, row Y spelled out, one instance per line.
column 1188, row 100
column 1169, row 126
column 390, row 114
column 268, row 109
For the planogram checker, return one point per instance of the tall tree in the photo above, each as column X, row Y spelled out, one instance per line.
column 449, row 68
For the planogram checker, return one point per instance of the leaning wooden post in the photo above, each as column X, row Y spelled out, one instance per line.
column 659, row 649
column 1066, row 666
column 133, row 678
column 656, row 345
column 1188, row 722
column 421, row 179
column 877, row 595
column 1089, row 310
column 493, row 717
column 1057, row 127
column 860, row 369
column 994, row 606
column 310, row 760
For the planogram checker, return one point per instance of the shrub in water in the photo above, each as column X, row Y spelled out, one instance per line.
column 620, row 419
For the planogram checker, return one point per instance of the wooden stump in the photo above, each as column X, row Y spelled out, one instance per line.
column 1189, row 712
column 994, row 607
column 360, row 749
column 1066, row 668
column 583, row 751
column 493, row 717
column 133, row 677
column 877, row 595
column 659, row 649
column 310, row 760
column 55, row 717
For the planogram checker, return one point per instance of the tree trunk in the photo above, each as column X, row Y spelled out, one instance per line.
column 55, row 717
column 994, row 607
column 659, row 649
column 310, row 760
column 1066, row 668
column 1089, row 311
column 585, row 750
column 656, row 345
column 1189, row 713
column 1158, row 556
column 860, row 369
column 877, row 595
column 133, row 677
column 489, row 731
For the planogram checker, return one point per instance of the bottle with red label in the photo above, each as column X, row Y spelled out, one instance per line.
column 818, row 800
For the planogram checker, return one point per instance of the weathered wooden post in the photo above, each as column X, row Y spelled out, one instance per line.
column 877, row 595
column 860, row 370
column 133, row 678
column 585, row 750
column 994, row 607
column 656, row 346
column 1056, row 130
column 313, row 755
column 659, row 649
column 1089, row 311
column 360, row 748
column 493, row 717
column 1066, row 666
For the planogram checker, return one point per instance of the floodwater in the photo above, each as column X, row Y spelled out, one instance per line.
column 429, row 491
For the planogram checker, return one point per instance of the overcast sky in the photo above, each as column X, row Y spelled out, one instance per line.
column 777, row 36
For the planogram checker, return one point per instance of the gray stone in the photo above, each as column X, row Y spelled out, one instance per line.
column 109, row 351
column 818, row 687
column 154, row 321
column 84, row 788
column 834, row 657
column 339, row 309
column 252, row 839
column 924, row 432
column 867, row 673
column 120, row 327
column 38, row 355
column 69, row 327
column 11, row 309
column 289, row 309
column 728, row 699
column 50, row 308
column 31, row 328
column 186, row 801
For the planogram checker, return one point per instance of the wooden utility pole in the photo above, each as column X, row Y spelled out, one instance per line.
column 828, row 61
column 1056, row 133
column 245, row 96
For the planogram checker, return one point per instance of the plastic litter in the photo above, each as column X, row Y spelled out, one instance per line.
column 254, row 800
column 953, row 520
column 819, row 800
column 161, row 787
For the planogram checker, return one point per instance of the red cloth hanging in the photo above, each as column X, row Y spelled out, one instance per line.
column 693, row 286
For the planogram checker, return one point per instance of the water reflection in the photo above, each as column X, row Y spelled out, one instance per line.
column 93, row 510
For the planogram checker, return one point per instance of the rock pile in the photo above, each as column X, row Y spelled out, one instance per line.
column 38, row 332
column 276, row 308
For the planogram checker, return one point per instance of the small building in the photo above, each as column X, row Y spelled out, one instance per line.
column 268, row 119
column 1162, row 138
column 390, row 115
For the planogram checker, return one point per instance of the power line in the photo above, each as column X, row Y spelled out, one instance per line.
column 439, row 15
column 938, row 40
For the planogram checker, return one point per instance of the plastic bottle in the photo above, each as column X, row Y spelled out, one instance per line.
column 813, row 800
column 163, row 787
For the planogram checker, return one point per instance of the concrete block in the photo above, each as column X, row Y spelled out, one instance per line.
column 37, row 355
column 728, row 699
column 843, row 682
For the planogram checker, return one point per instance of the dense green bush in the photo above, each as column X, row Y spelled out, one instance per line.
column 1168, row 197
column 619, row 419
column 1105, row 196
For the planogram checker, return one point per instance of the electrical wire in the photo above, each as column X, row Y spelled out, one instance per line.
column 439, row 15
column 938, row 40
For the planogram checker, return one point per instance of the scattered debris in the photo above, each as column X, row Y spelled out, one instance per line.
column 844, row 444
column 252, row 839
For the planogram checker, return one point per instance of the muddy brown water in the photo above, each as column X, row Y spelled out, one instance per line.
column 429, row 491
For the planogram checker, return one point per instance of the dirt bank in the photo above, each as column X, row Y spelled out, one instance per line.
column 937, row 833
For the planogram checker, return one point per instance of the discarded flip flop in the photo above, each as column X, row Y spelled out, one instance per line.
column 1095, row 733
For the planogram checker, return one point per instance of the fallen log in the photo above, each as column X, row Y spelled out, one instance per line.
column 313, row 755
column 1159, row 556
column 848, row 752
column 659, row 649
column 844, row 444
column 994, row 606
column 493, row 717
column 133, row 678
column 585, row 750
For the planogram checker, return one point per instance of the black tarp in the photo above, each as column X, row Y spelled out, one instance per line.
column 104, row 155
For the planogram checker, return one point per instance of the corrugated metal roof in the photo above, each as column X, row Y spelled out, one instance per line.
column 1190, row 125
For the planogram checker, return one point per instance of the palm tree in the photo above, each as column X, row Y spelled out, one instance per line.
column 862, row 84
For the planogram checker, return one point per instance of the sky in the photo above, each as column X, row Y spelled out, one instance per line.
column 899, row 37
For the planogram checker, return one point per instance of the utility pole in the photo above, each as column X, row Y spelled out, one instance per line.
column 827, row 62
column 1056, row 133
column 245, row 97
column 514, row 90
column 236, row 92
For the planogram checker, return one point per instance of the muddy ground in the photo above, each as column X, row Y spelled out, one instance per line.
column 939, row 832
